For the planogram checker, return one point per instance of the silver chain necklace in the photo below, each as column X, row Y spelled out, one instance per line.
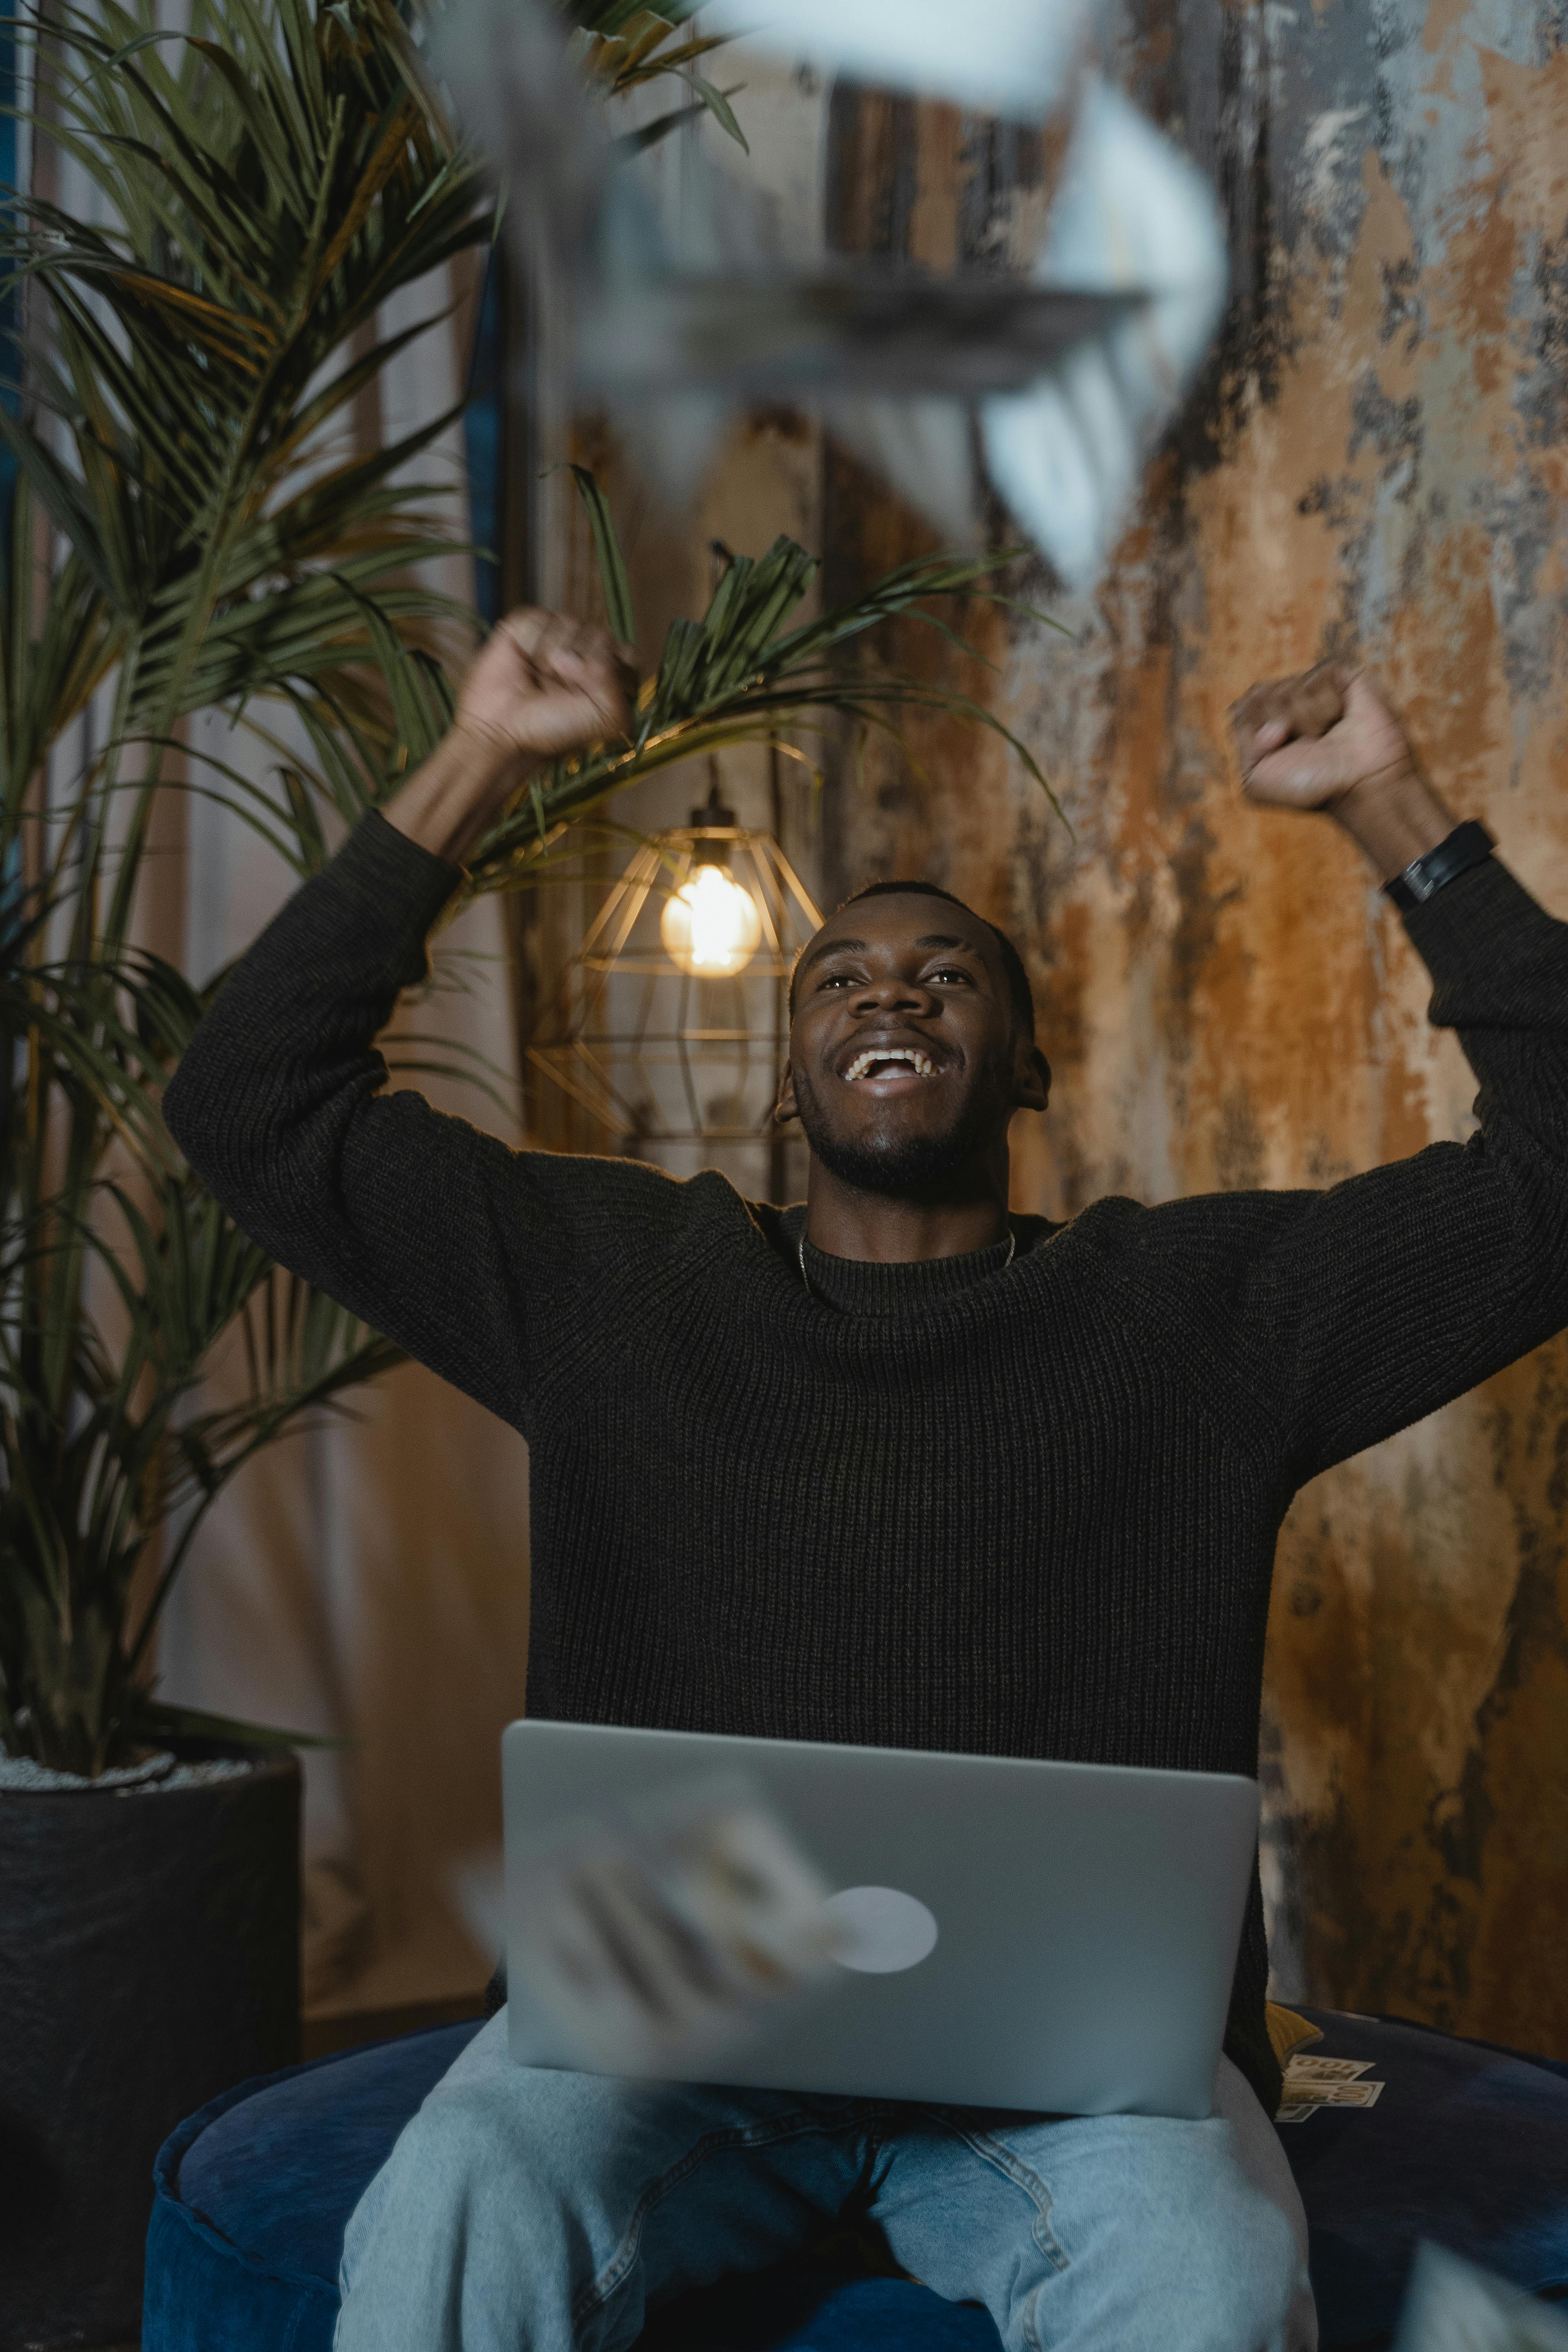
column 1012, row 1245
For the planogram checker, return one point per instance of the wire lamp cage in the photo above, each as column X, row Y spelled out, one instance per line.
column 673, row 1020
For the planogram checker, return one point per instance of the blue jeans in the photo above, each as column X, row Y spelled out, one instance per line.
column 523, row 2210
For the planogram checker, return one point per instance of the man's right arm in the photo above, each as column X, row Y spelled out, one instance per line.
column 410, row 1218
column 280, row 1107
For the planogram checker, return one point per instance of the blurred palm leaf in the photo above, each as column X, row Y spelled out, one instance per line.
column 625, row 45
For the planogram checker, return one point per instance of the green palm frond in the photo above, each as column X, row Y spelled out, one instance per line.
column 613, row 19
column 269, row 190
column 155, row 1720
column 271, row 177
column 83, row 1490
column 625, row 44
column 741, row 675
column 613, row 575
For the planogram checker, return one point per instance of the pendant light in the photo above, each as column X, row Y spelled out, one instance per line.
column 671, row 1020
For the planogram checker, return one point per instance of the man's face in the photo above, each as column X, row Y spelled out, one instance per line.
column 907, row 1058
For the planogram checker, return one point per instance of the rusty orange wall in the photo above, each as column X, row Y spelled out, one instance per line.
column 1378, row 460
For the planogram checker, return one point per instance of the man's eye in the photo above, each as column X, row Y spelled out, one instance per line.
column 838, row 979
column 949, row 971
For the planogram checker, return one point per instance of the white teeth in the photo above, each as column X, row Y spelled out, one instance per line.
column 919, row 1063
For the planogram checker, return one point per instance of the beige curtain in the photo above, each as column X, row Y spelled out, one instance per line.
column 369, row 1580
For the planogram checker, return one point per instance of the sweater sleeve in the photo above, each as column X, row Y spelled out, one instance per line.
column 1388, row 1296
column 429, row 1231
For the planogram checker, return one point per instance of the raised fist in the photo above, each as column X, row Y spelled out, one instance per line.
column 542, row 686
column 1304, row 742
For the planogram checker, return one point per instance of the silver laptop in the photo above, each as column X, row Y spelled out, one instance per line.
column 1055, row 1937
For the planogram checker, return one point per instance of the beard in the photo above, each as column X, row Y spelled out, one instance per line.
column 901, row 1167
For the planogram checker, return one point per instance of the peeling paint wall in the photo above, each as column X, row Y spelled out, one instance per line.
column 1377, row 460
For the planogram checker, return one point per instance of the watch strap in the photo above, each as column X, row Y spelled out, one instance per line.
column 1468, row 844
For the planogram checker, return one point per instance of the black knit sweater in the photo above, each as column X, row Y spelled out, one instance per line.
column 1027, row 1510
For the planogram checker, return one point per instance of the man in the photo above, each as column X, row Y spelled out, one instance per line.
column 899, row 1468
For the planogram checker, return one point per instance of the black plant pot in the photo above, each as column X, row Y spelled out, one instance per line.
column 149, row 1959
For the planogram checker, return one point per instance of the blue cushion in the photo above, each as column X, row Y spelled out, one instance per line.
column 253, row 2192
column 1467, row 2145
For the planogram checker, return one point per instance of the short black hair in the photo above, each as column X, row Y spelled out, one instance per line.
column 1023, row 995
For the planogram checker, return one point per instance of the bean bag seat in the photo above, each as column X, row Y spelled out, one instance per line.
column 1467, row 2145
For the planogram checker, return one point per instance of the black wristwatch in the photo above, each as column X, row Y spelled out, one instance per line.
column 1468, row 844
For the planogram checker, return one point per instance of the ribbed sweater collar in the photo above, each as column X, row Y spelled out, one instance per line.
column 856, row 1286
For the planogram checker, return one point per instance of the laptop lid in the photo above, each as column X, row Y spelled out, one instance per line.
column 1056, row 1938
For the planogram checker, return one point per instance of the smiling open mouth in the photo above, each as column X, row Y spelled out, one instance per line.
column 881, row 1061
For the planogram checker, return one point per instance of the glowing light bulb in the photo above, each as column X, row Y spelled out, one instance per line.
column 710, row 927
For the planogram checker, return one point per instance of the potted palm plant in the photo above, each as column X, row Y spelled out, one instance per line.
column 187, row 536
column 185, row 532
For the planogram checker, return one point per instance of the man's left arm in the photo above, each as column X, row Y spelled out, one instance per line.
column 1400, row 1289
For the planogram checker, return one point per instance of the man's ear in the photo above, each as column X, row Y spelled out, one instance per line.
column 786, row 1107
column 1031, row 1077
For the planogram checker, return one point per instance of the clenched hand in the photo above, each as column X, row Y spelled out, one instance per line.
column 544, row 686
column 1327, row 740
column 541, row 687
column 1306, row 741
